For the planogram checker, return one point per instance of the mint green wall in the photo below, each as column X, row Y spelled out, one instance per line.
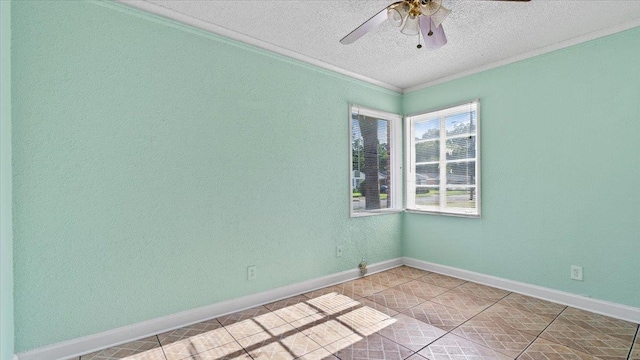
column 560, row 172
column 153, row 163
column 6, row 235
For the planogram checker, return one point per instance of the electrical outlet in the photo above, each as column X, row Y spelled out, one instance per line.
column 251, row 272
column 339, row 251
column 576, row 272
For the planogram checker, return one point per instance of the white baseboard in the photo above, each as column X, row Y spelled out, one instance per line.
column 86, row 344
column 76, row 347
column 602, row 307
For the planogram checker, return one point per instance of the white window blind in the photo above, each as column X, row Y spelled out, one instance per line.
column 443, row 158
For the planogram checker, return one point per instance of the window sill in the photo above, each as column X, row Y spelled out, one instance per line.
column 471, row 216
column 377, row 212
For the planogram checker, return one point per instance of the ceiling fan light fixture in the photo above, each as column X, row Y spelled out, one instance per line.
column 411, row 25
column 396, row 14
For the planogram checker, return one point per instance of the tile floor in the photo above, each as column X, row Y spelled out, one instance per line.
column 402, row 313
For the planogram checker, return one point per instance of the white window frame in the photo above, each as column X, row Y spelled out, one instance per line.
column 410, row 161
column 395, row 160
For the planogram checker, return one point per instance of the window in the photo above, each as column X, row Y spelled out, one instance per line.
column 375, row 170
column 443, row 161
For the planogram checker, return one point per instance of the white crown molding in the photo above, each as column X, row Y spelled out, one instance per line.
column 87, row 344
column 203, row 25
column 561, row 45
column 602, row 307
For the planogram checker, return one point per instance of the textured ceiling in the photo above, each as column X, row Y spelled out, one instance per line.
column 481, row 34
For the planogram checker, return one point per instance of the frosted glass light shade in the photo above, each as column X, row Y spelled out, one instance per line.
column 396, row 14
column 411, row 25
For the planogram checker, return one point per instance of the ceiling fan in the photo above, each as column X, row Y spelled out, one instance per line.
column 412, row 17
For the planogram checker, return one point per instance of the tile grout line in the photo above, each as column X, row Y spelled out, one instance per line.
column 237, row 340
column 473, row 317
column 161, row 347
column 637, row 334
column 425, row 300
column 356, row 332
column 330, row 317
column 414, row 352
column 428, row 300
column 390, row 287
column 449, row 332
column 482, row 311
column 633, row 342
column 543, row 330
column 385, row 337
column 433, row 297
column 497, row 301
column 537, row 336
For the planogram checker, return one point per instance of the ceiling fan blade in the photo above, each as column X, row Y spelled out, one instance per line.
column 437, row 39
column 367, row 26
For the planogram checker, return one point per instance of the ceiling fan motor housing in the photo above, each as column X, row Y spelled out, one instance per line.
column 414, row 7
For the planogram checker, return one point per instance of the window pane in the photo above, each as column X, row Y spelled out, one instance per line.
column 371, row 160
column 424, row 130
column 371, row 163
column 461, row 173
column 461, row 148
column 461, row 198
column 464, row 123
column 428, row 151
column 443, row 151
column 427, row 196
column 427, row 174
